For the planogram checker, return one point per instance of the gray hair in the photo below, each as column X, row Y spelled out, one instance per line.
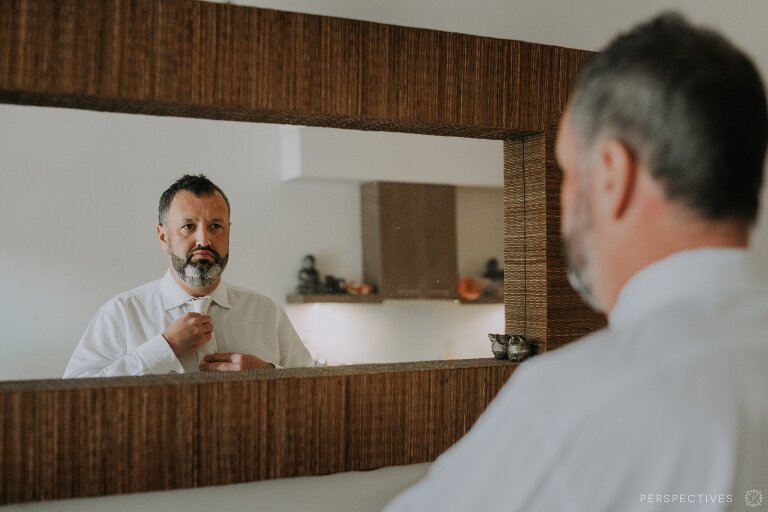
column 689, row 104
column 198, row 185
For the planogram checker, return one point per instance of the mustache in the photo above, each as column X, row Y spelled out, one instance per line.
column 216, row 256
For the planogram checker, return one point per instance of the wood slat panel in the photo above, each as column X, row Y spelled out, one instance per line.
column 569, row 318
column 112, row 436
column 88, row 440
column 306, row 426
column 224, row 61
column 515, row 291
column 539, row 301
column 233, row 442
column 415, row 417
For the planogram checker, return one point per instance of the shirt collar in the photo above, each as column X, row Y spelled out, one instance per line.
column 693, row 274
column 173, row 296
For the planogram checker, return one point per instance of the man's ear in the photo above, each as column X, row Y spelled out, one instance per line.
column 163, row 237
column 616, row 177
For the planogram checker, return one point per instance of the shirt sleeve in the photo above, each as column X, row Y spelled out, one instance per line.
column 293, row 353
column 103, row 352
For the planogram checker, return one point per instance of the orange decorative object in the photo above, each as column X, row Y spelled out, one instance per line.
column 359, row 288
column 467, row 289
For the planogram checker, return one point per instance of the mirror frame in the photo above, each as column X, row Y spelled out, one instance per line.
column 62, row 439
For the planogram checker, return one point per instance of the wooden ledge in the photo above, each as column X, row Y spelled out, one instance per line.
column 90, row 437
column 263, row 374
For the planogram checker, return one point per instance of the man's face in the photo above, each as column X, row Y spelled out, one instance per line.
column 196, row 237
column 576, row 218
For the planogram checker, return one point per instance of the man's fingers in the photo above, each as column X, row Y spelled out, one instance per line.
column 206, row 319
column 223, row 357
column 229, row 361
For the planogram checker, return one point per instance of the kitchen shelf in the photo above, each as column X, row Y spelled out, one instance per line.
column 483, row 300
column 334, row 297
column 374, row 299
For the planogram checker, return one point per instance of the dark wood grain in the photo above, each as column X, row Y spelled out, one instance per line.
column 568, row 317
column 539, row 301
column 64, row 439
column 222, row 61
column 409, row 240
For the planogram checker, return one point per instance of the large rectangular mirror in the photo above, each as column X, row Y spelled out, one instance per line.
column 84, row 208
column 225, row 62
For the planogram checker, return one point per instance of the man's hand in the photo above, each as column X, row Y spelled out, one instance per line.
column 229, row 362
column 188, row 332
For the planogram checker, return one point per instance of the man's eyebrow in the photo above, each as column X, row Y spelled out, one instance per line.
column 190, row 219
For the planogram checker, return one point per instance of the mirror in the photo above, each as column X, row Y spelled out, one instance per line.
column 222, row 61
column 81, row 191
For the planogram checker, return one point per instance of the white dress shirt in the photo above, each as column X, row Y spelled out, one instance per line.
column 665, row 409
column 125, row 336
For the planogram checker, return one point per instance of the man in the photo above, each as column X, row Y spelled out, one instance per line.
column 662, row 149
column 190, row 320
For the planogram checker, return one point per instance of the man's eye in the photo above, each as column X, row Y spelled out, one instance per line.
column 188, row 226
column 216, row 226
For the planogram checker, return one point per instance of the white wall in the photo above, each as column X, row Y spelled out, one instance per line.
column 586, row 24
column 405, row 157
column 79, row 199
column 479, row 228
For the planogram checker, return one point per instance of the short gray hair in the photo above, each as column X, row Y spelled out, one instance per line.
column 689, row 104
column 198, row 185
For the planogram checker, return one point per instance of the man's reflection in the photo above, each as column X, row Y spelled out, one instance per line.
column 190, row 320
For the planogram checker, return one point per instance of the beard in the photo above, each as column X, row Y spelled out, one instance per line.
column 577, row 259
column 200, row 273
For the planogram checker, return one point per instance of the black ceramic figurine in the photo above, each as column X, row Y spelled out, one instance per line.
column 495, row 276
column 309, row 277
column 493, row 271
column 335, row 285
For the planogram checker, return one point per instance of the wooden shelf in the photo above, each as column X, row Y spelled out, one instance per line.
column 334, row 297
column 483, row 300
column 375, row 299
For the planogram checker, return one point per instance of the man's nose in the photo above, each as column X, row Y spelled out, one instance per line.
column 202, row 237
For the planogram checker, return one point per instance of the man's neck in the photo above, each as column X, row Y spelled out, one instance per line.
column 661, row 243
column 191, row 290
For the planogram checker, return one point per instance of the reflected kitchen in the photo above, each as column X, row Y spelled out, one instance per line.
column 294, row 191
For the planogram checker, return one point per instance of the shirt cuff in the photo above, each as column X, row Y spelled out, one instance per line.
column 158, row 357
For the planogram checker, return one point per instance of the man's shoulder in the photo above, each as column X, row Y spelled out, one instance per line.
column 243, row 295
column 575, row 363
column 568, row 382
column 133, row 297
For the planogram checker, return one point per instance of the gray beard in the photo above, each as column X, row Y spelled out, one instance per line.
column 198, row 274
column 579, row 283
column 577, row 262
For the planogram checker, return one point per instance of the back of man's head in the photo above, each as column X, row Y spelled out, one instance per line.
column 689, row 105
column 199, row 185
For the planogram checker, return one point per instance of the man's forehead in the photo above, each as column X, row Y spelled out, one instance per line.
column 185, row 199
